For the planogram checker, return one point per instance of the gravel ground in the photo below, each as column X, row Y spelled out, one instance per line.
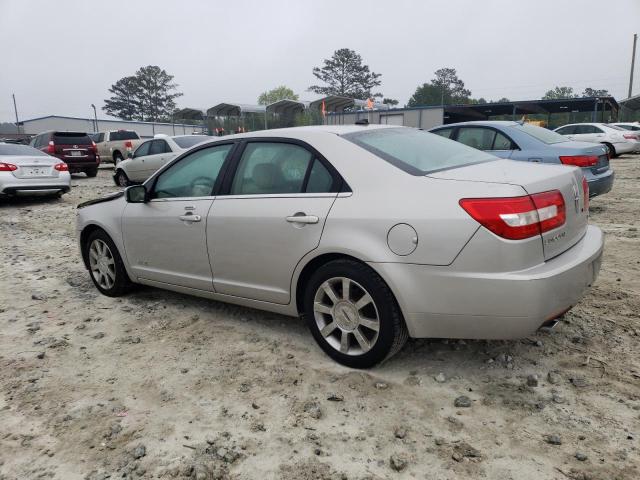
column 162, row 385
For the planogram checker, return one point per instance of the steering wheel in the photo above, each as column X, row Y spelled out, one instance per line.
column 202, row 186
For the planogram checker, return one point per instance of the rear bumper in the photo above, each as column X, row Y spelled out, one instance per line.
column 601, row 184
column 35, row 190
column 9, row 185
column 442, row 302
column 625, row 147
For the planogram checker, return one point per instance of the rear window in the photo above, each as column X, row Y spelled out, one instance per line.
column 71, row 138
column 123, row 135
column 545, row 136
column 10, row 149
column 190, row 140
column 415, row 151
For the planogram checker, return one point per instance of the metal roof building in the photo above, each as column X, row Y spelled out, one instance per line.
column 35, row 126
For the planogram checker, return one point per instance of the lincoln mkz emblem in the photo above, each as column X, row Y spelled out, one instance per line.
column 75, row 146
column 576, row 197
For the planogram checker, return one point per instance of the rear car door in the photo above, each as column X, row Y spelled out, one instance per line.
column 165, row 238
column 275, row 203
column 483, row 138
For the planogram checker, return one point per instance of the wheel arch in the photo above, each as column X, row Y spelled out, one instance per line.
column 316, row 262
column 115, row 153
column 84, row 236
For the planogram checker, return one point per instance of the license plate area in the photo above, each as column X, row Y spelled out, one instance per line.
column 35, row 171
column 75, row 153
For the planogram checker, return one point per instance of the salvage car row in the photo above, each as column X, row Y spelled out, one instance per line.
column 135, row 159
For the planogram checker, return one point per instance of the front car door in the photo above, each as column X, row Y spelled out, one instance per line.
column 159, row 154
column 165, row 238
column 135, row 167
column 271, row 213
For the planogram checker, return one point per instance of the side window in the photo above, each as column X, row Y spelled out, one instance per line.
column 193, row 176
column 480, row 138
column 158, row 146
column 581, row 129
column 142, row 150
column 271, row 168
column 444, row 132
column 502, row 143
column 596, row 129
column 569, row 130
column 100, row 138
column 320, row 179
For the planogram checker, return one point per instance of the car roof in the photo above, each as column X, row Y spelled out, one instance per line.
column 295, row 132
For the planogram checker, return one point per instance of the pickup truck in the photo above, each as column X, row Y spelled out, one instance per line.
column 115, row 145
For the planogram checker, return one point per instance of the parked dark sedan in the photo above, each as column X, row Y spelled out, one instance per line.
column 518, row 141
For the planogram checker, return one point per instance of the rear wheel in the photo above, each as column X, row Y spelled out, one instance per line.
column 612, row 150
column 92, row 173
column 353, row 315
column 121, row 179
column 105, row 265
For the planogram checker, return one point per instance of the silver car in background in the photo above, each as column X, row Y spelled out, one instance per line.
column 25, row 170
column 617, row 139
column 151, row 156
column 371, row 233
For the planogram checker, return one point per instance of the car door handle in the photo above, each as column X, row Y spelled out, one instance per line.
column 302, row 219
column 189, row 217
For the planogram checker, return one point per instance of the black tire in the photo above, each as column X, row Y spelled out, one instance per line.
column 121, row 284
column 392, row 333
column 117, row 158
column 121, row 179
column 612, row 150
column 91, row 173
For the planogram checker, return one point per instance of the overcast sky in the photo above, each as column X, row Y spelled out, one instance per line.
column 59, row 57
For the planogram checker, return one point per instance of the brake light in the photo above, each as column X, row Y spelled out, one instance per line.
column 517, row 218
column 94, row 147
column 580, row 160
column 61, row 167
column 630, row 136
column 128, row 144
column 7, row 167
column 51, row 148
column 585, row 191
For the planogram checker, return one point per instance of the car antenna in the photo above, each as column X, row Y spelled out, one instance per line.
column 362, row 121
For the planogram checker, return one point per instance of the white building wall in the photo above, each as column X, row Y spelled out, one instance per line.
column 144, row 129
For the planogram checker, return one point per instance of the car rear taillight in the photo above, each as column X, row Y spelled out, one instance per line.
column 61, row 167
column 580, row 160
column 51, row 148
column 7, row 167
column 585, row 191
column 94, row 147
column 128, row 145
column 517, row 218
column 630, row 136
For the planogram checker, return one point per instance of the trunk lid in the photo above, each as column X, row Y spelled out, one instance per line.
column 34, row 167
column 535, row 178
column 73, row 147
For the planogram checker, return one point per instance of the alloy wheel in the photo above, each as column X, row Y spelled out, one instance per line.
column 102, row 264
column 346, row 316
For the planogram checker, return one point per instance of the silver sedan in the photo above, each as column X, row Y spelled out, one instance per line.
column 372, row 234
column 25, row 170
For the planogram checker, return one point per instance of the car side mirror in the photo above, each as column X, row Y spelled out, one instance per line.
column 129, row 154
column 136, row 194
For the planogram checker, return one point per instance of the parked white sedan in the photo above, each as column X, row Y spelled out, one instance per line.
column 617, row 139
column 151, row 156
column 26, row 170
column 371, row 233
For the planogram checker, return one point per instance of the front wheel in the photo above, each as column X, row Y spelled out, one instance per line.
column 105, row 265
column 121, row 179
column 353, row 315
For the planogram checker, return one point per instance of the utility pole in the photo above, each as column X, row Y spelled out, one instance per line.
column 95, row 117
column 633, row 63
column 15, row 109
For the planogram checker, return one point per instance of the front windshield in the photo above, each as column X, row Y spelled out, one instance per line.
column 415, row 151
column 21, row 150
column 544, row 135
